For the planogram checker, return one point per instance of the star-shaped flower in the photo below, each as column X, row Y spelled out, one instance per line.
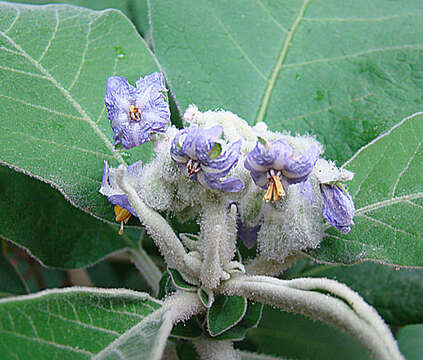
column 136, row 113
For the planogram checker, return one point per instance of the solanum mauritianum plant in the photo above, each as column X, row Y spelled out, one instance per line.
column 222, row 146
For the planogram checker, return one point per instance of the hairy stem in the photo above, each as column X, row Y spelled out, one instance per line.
column 157, row 227
column 216, row 243
column 288, row 295
column 210, row 349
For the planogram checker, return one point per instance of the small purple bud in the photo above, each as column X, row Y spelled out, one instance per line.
column 339, row 207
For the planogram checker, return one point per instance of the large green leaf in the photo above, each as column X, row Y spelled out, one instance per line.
column 11, row 283
column 136, row 10
column 38, row 218
column 296, row 337
column 54, row 64
column 410, row 341
column 388, row 195
column 73, row 323
column 344, row 70
column 395, row 293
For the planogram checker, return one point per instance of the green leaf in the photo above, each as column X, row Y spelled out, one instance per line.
column 166, row 286
column 251, row 319
column 344, row 71
column 55, row 63
column 72, row 323
column 52, row 230
column 297, row 337
column 410, row 341
column 395, row 293
column 206, row 297
column 388, row 195
column 179, row 282
column 189, row 329
column 136, row 10
column 11, row 282
column 253, row 314
column 225, row 313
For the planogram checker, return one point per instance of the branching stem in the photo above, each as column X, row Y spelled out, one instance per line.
column 157, row 227
column 352, row 315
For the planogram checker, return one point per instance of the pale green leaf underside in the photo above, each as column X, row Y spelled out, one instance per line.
column 388, row 194
column 145, row 341
column 55, row 61
column 345, row 71
column 73, row 323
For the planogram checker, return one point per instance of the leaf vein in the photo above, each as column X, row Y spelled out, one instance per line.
column 279, row 63
column 84, row 52
column 18, row 14
column 358, row 54
column 389, row 202
column 406, row 167
column 51, row 38
column 46, row 342
column 69, row 97
column 240, row 49
column 269, row 14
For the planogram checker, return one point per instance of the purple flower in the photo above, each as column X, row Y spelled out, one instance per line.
column 274, row 166
column 339, row 207
column 136, row 113
column 109, row 188
column 202, row 156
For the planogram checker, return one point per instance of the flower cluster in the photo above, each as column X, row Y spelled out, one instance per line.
column 284, row 171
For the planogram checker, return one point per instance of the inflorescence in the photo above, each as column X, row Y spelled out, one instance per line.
column 280, row 184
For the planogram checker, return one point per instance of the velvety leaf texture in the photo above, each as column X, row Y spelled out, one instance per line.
column 71, row 323
column 388, row 194
column 52, row 230
column 54, row 64
column 345, row 71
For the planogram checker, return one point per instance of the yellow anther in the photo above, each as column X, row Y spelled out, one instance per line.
column 268, row 196
column 122, row 216
column 278, row 185
column 275, row 189
column 134, row 113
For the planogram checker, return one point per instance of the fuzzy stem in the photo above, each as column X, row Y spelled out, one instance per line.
column 148, row 269
column 210, row 349
column 157, row 227
column 285, row 295
column 215, row 240
column 183, row 305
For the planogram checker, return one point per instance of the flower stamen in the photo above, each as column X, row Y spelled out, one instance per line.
column 193, row 167
column 275, row 189
column 122, row 216
column 134, row 113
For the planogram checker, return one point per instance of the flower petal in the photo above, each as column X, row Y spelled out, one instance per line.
column 298, row 169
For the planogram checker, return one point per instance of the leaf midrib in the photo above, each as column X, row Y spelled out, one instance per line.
column 279, row 63
column 68, row 97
